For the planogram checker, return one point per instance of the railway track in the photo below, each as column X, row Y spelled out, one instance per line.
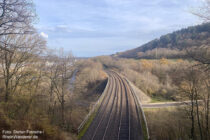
column 118, row 116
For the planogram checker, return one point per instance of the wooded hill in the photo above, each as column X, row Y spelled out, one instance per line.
column 172, row 45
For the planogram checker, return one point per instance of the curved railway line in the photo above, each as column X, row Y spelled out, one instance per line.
column 118, row 116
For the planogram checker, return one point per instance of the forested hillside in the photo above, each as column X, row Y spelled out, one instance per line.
column 172, row 45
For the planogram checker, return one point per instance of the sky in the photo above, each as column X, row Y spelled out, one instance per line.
column 90, row 28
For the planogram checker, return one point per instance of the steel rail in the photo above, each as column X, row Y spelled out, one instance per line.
column 108, row 102
column 140, row 107
column 119, row 115
column 100, row 111
column 137, row 134
column 119, row 110
column 114, row 110
column 126, row 116
column 100, row 100
column 138, row 103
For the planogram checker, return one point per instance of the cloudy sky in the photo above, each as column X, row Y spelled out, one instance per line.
column 100, row 27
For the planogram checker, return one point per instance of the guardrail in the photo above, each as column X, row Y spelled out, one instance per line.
column 94, row 108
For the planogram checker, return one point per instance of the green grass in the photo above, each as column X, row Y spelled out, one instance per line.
column 86, row 126
column 158, row 99
column 144, row 129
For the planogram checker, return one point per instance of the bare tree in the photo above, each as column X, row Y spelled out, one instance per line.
column 187, row 90
column 194, row 86
column 22, row 54
column 61, row 72
column 206, row 106
column 204, row 11
column 200, row 55
column 16, row 17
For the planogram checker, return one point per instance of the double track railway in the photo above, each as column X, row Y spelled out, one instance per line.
column 118, row 116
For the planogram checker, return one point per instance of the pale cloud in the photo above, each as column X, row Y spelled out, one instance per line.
column 44, row 35
column 116, row 23
column 62, row 28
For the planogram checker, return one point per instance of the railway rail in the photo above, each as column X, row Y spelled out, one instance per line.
column 118, row 116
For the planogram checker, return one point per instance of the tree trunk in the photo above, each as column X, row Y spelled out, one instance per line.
column 198, row 115
column 62, row 111
column 207, row 115
column 6, row 90
column 192, row 118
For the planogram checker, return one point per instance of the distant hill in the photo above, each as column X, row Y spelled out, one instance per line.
column 173, row 44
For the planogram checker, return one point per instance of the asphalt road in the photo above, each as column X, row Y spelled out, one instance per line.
column 167, row 104
column 162, row 105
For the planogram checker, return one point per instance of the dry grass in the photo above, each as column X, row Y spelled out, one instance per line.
column 167, row 123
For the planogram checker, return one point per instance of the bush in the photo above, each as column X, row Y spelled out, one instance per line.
column 17, row 115
column 167, row 123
